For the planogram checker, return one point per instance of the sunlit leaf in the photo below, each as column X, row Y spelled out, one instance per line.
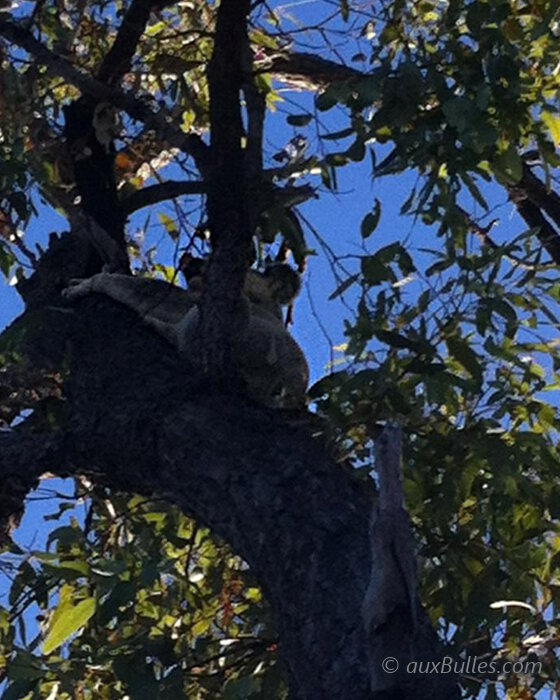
column 552, row 121
column 67, row 619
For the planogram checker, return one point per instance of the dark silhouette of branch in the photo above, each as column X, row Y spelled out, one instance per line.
column 309, row 70
column 256, row 113
column 481, row 232
column 159, row 193
column 137, row 421
column 538, row 193
column 24, row 456
column 225, row 80
column 534, row 217
column 228, row 206
column 288, row 196
column 395, row 623
column 91, row 143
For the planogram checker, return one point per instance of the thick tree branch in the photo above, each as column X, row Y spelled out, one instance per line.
column 256, row 112
column 534, row 217
column 135, row 420
column 315, row 70
column 288, row 196
column 226, row 198
column 159, row 193
column 29, row 455
column 537, row 192
column 307, row 70
column 254, row 476
column 23, row 458
column 228, row 208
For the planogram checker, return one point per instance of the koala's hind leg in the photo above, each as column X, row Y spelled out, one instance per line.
column 154, row 299
column 272, row 363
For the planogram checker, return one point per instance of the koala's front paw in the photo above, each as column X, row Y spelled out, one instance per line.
column 77, row 288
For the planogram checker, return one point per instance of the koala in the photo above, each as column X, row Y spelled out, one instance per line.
column 271, row 363
column 274, row 288
column 278, row 285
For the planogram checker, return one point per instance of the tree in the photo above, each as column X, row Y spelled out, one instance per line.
column 455, row 340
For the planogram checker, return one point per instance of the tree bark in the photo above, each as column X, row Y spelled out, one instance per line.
column 135, row 420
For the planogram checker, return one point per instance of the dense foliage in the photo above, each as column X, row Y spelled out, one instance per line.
column 454, row 333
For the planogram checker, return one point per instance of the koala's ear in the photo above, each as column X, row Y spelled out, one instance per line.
column 284, row 282
column 191, row 266
column 193, row 271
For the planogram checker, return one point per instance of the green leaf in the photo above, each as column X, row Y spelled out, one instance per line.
column 368, row 90
column 24, row 667
column 507, row 166
column 65, row 535
column 459, row 112
column 405, row 208
column 329, row 178
column 67, row 570
column 18, row 200
column 506, row 311
column 6, row 260
column 336, row 135
column 19, row 689
column 396, row 340
column 169, row 224
column 376, row 270
column 357, row 151
column 241, row 688
column 335, row 93
column 344, row 286
column 299, row 119
column 138, row 676
column 473, row 189
column 336, row 160
column 406, row 263
column 66, row 620
column 371, row 220
column 389, row 34
column 156, row 29
column 552, row 121
column 465, row 355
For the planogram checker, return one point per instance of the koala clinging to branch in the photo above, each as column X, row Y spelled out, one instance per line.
column 277, row 286
column 270, row 361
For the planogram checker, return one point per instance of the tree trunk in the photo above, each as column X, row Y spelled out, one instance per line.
column 136, row 421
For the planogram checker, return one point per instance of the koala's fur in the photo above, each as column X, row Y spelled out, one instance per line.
column 270, row 361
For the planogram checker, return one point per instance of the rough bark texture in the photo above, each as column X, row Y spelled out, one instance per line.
column 136, row 421
column 255, row 477
column 228, row 213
